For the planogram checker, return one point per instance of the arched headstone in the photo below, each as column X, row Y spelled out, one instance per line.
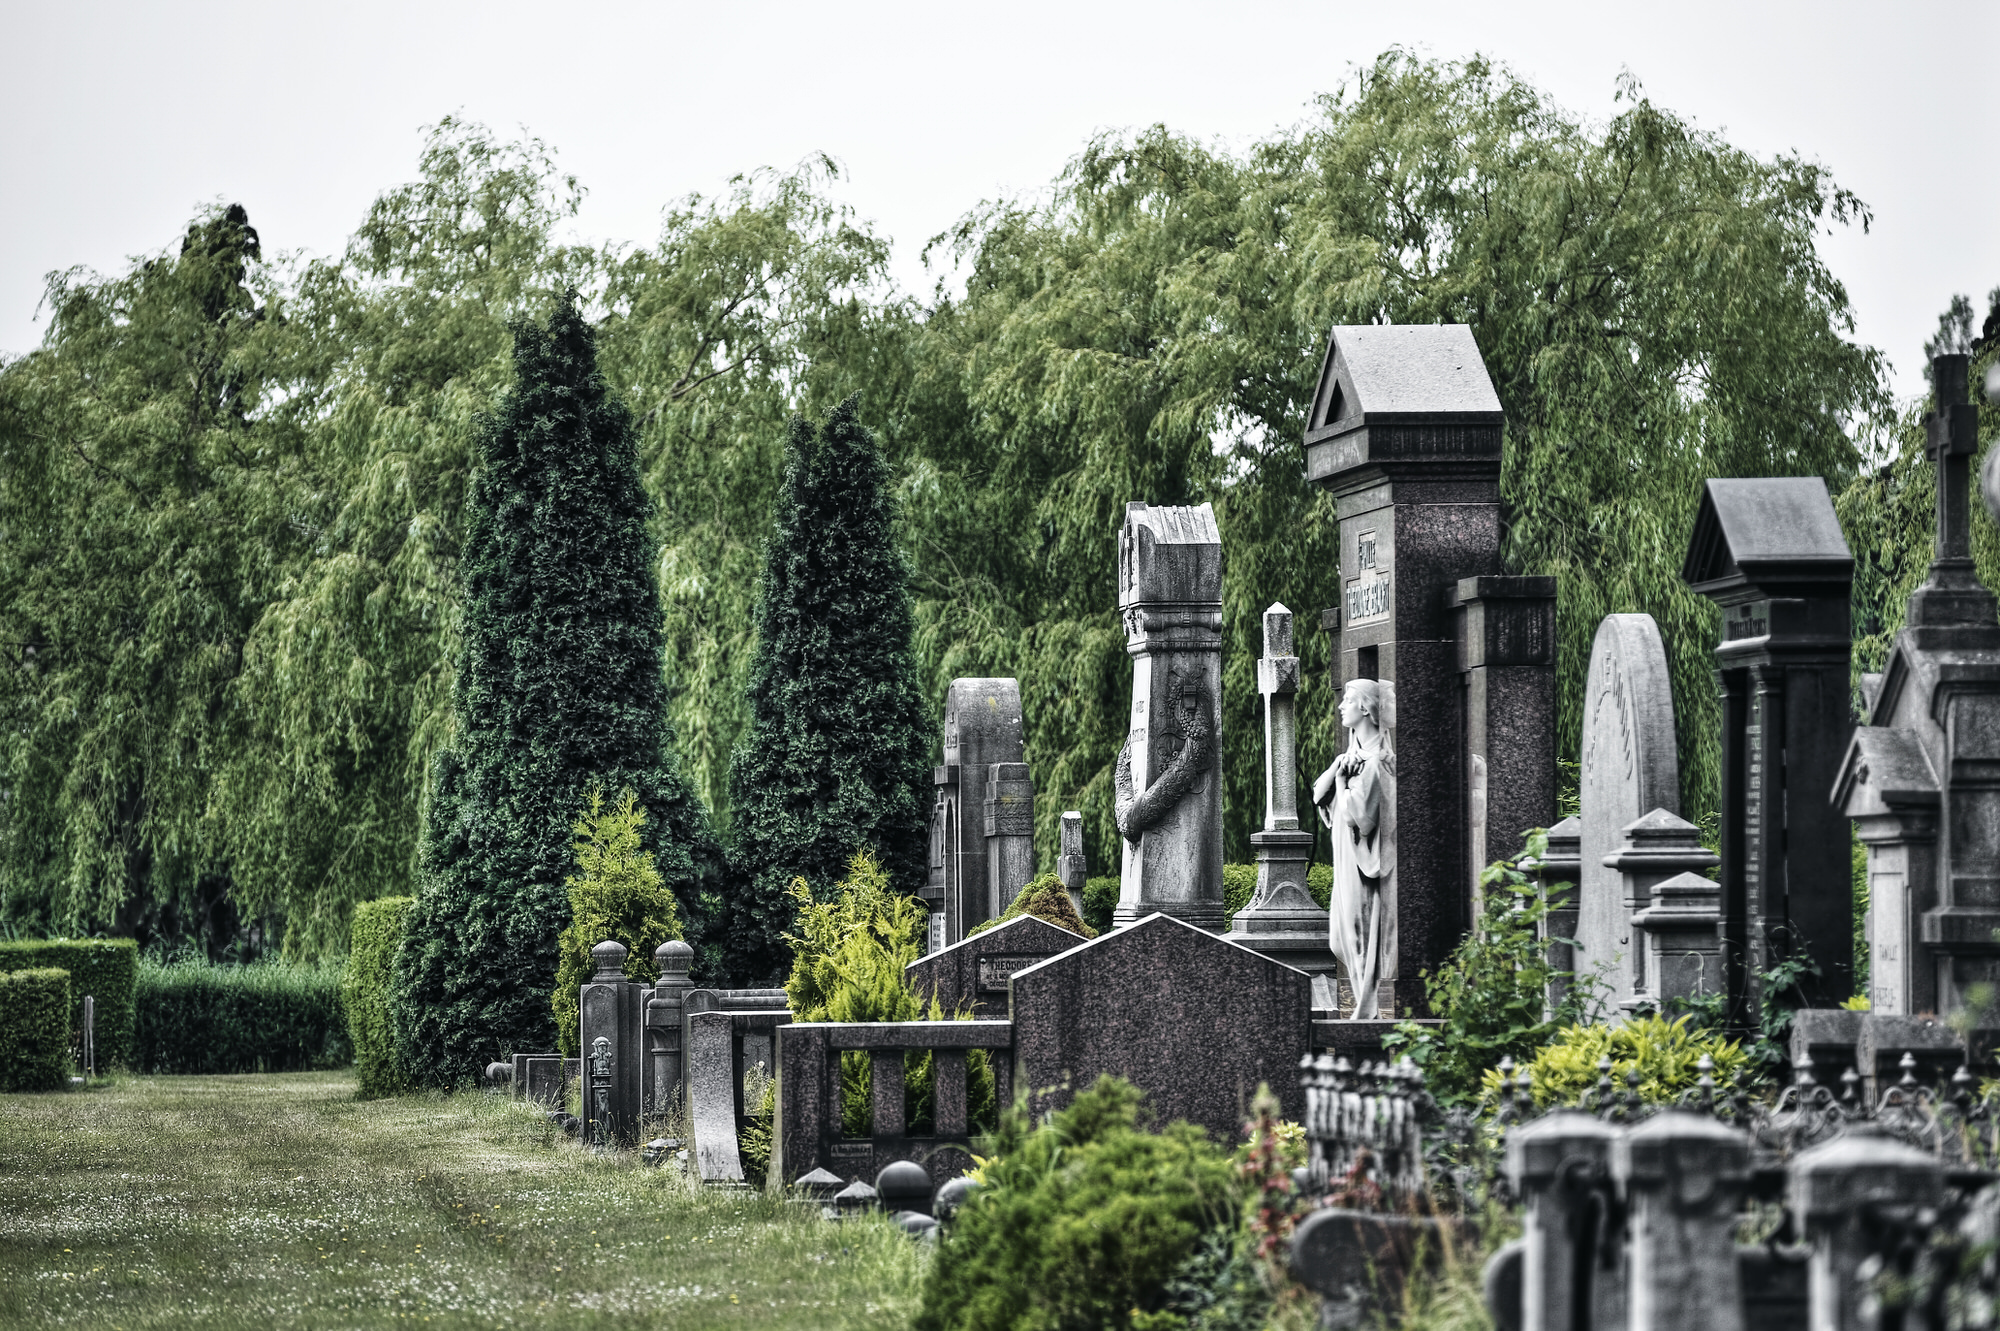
column 1630, row 767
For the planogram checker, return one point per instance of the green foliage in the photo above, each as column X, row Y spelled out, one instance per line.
column 620, row 896
column 34, row 1029
column 1492, row 991
column 1100, row 899
column 847, row 965
column 365, row 988
column 839, row 743
column 558, row 690
column 1080, row 1222
column 1045, row 898
column 102, row 968
column 270, row 1016
column 1663, row 1052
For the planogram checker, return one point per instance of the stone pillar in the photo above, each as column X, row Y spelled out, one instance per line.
column 1560, row 1167
column 1558, row 872
column 1680, row 939
column 663, row 1026
column 1009, row 821
column 1507, row 667
column 1404, row 432
column 1282, row 920
column 1071, row 865
column 1683, row 1174
column 1652, row 850
column 1770, row 553
column 1888, row 789
column 1169, row 797
column 608, row 1009
column 982, row 727
column 1842, row 1192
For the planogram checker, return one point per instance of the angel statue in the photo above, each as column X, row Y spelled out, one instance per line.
column 1356, row 798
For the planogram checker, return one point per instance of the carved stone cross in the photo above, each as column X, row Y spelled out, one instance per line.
column 1278, row 681
column 1953, row 593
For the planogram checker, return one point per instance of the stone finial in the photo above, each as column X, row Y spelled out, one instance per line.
column 1277, row 631
column 1071, row 865
column 674, row 960
column 609, row 959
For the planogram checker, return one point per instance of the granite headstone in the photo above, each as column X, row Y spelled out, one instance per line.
column 982, row 729
column 973, row 972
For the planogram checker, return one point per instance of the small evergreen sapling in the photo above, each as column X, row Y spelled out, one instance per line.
column 620, row 896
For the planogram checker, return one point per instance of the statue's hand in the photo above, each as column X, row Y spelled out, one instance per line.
column 1323, row 788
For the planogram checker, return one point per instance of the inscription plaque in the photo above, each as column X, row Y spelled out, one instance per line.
column 994, row 972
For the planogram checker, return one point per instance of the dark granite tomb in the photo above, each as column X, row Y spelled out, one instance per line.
column 973, row 972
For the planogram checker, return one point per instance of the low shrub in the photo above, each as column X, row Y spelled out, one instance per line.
column 1081, row 1223
column 1664, row 1052
column 365, row 989
column 1100, row 899
column 100, row 968
column 1046, row 899
column 268, row 1016
column 34, row 1029
column 619, row 896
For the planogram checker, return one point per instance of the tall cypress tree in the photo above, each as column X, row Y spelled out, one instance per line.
column 839, row 746
column 559, row 689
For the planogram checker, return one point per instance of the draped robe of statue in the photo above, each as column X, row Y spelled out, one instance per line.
column 1360, row 813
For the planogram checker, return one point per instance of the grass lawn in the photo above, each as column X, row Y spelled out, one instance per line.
column 282, row 1201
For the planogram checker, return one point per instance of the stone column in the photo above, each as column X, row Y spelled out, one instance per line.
column 1652, row 849
column 982, row 727
column 1071, row 865
column 1010, row 834
column 1888, row 789
column 1560, row 1167
column 1169, row 797
column 1282, row 920
column 1683, row 1175
column 1842, row 1192
column 663, row 1026
column 608, row 1008
column 1558, row 872
column 1507, row 664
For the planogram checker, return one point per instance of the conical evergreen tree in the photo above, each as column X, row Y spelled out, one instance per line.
column 838, row 754
column 559, row 690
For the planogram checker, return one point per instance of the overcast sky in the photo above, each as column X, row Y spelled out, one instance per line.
column 122, row 118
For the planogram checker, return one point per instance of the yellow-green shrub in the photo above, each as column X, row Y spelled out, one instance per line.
column 102, row 968
column 1664, row 1052
column 1046, row 899
column 619, row 896
column 376, row 931
column 34, row 1029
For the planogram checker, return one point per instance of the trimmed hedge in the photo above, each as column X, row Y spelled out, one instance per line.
column 365, row 990
column 266, row 1017
column 34, row 1029
column 102, row 968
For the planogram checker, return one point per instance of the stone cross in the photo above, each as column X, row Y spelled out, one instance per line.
column 1278, row 682
column 1953, row 593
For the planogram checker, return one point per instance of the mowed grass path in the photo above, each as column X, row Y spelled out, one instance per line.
column 282, row 1201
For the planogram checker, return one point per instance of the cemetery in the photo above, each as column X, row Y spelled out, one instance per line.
column 1468, row 946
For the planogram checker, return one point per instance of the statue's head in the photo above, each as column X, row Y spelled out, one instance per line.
column 1370, row 699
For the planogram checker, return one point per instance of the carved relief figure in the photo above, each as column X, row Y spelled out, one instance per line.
column 1190, row 735
column 1356, row 798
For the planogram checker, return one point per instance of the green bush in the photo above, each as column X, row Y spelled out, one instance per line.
column 847, row 965
column 365, row 990
column 1663, row 1052
column 34, row 1029
column 1080, row 1223
column 620, row 897
column 1046, row 899
column 100, row 968
column 265, row 1017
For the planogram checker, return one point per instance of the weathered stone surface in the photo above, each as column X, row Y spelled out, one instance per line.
column 1558, row 873
column 1770, row 553
column 982, row 727
column 1359, row 1261
column 1190, row 1018
column 1887, row 787
column 1507, row 659
column 664, row 1012
column 1009, row 818
column 1683, row 1175
column 1169, row 782
column 1653, row 850
column 611, row 1007
column 712, row 1097
column 1072, row 867
column 973, row 973
column 1837, row 1190
column 1630, row 767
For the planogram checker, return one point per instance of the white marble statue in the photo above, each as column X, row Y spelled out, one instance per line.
column 1356, row 798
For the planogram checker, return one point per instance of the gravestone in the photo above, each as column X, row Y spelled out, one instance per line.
column 1404, row 432
column 1071, row 865
column 1507, row 663
column 1630, row 767
column 609, row 1008
column 1921, row 779
column 1282, row 920
column 1169, row 783
column 664, row 1012
column 982, row 730
column 1770, row 553
column 1190, row 1018
column 973, row 972
column 1674, row 948
column 1010, row 834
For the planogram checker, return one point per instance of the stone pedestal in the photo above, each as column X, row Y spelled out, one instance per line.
column 1770, row 553
column 1404, row 432
column 1558, row 872
column 1169, row 781
column 663, row 1011
column 982, row 728
column 609, row 1009
column 1889, row 790
column 1010, row 834
column 1652, row 851
column 1683, row 1175
column 1507, row 668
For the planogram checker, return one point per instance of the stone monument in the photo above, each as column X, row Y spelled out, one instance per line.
column 1404, row 432
column 982, row 732
column 608, row 1009
column 1507, row 666
column 1922, row 778
column 1169, row 785
column 1071, row 865
column 1282, row 920
column 1630, row 768
column 1769, row 551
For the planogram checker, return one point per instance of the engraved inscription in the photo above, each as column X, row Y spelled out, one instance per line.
column 1364, row 550
column 994, row 971
column 1368, row 598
